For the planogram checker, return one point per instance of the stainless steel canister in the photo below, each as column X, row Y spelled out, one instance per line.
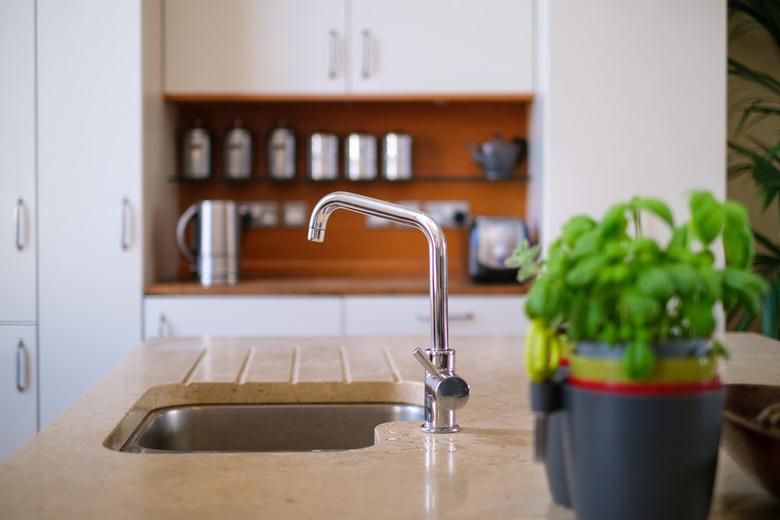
column 281, row 153
column 196, row 148
column 360, row 157
column 214, row 254
column 323, row 156
column 397, row 156
column 238, row 152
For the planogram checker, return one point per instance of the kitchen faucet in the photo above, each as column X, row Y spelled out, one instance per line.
column 445, row 392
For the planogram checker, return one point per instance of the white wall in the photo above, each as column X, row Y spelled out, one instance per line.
column 631, row 100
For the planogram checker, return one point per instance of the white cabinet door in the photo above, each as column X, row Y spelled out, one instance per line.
column 402, row 315
column 441, row 46
column 18, row 405
column 89, row 180
column 255, row 46
column 242, row 316
column 17, row 160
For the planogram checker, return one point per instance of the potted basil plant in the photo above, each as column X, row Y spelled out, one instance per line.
column 639, row 404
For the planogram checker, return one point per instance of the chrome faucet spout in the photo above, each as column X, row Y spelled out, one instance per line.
column 437, row 246
column 445, row 392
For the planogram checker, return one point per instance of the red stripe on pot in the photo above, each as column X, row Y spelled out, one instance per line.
column 646, row 388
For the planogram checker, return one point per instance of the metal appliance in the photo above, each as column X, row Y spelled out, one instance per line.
column 492, row 240
column 397, row 156
column 237, row 152
column 323, row 156
column 360, row 157
column 281, row 153
column 214, row 253
column 196, row 150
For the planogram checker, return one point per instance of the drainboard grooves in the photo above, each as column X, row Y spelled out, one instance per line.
column 241, row 377
column 391, row 365
column 191, row 372
column 295, row 367
column 346, row 373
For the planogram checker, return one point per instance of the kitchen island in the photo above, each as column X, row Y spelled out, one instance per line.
column 72, row 469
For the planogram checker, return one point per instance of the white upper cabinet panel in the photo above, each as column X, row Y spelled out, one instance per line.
column 255, row 47
column 17, row 160
column 441, row 46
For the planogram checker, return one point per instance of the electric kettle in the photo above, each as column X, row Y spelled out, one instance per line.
column 214, row 253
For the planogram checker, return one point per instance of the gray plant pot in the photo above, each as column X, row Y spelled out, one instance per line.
column 616, row 455
column 641, row 456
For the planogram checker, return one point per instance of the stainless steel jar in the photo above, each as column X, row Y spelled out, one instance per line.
column 281, row 153
column 323, row 152
column 196, row 148
column 360, row 157
column 397, row 156
column 237, row 152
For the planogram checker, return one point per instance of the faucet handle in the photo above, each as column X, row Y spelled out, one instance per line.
column 452, row 391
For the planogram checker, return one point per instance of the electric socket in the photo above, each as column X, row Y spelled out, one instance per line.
column 262, row 214
column 448, row 213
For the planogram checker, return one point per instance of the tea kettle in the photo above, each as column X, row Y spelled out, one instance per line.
column 499, row 157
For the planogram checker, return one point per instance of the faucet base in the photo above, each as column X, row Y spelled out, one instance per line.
column 440, row 429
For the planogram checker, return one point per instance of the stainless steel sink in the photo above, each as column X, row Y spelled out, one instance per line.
column 265, row 427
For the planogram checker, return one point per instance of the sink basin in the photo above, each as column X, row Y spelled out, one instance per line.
column 265, row 427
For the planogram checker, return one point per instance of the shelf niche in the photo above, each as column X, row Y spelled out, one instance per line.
column 442, row 165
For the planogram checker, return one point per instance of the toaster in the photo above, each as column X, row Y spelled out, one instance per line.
column 491, row 241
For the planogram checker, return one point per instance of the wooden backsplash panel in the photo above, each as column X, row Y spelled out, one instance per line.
column 440, row 134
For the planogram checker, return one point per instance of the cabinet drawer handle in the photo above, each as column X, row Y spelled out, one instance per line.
column 453, row 316
column 20, row 224
column 22, row 367
column 333, row 51
column 163, row 326
column 366, row 54
column 125, row 224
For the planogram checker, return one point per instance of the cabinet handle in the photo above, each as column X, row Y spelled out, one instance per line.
column 125, row 224
column 333, row 51
column 20, row 224
column 22, row 367
column 455, row 316
column 163, row 326
column 366, row 52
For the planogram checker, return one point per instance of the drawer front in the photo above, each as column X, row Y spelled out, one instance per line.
column 241, row 316
column 402, row 315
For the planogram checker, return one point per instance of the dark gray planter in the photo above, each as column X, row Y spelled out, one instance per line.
column 641, row 456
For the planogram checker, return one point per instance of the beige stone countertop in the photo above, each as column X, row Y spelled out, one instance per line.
column 486, row 471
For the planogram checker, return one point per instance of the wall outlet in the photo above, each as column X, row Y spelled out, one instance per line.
column 294, row 214
column 448, row 213
column 262, row 214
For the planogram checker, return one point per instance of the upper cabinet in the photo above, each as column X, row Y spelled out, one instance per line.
column 441, row 46
column 246, row 47
column 271, row 48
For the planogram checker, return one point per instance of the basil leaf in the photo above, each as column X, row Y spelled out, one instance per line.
column 638, row 360
column 654, row 206
column 706, row 216
column 655, row 282
column 585, row 271
column 737, row 236
column 576, row 227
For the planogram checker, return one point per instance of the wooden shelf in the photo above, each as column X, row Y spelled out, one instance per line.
column 303, row 179
column 224, row 97
column 329, row 286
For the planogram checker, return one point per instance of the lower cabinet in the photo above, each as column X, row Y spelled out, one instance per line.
column 18, row 387
column 242, row 316
column 326, row 315
column 402, row 315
